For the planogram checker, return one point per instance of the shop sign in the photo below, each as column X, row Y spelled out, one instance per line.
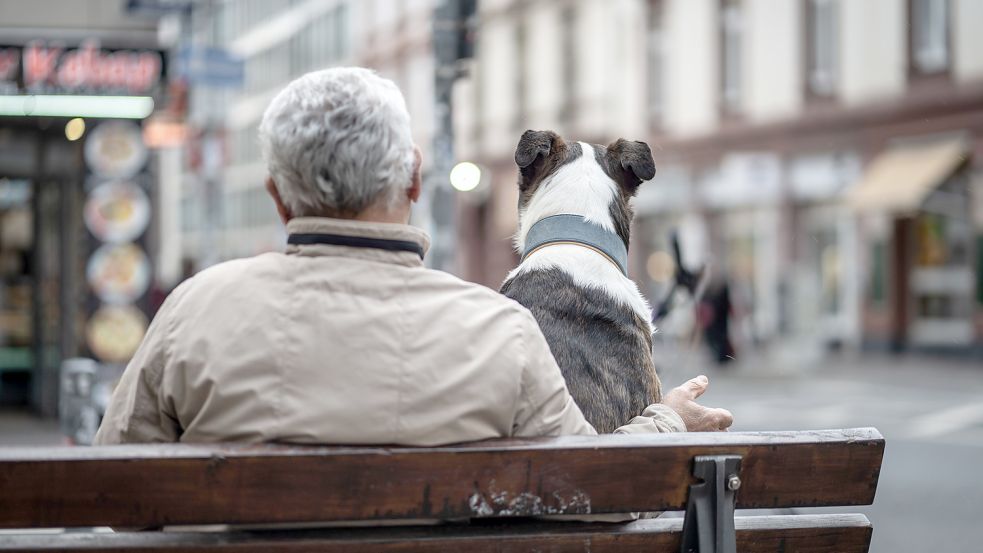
column 115, row 149
column 210, row 66
column 49, row 68
column 118, row 273
column 159, row 132
column 117, row 212
column 114, row 332
column 158, row 7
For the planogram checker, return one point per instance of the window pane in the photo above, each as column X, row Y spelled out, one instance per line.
column 656, row 46
column 568, row 47
column 823, row 47
column 930, row 30
column 341, row 32
column 878, row 273
column 731, row 38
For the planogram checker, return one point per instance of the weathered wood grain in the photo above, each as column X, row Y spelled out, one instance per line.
column 140, row 486
column 769, row 534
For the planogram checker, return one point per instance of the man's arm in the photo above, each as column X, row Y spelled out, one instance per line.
column 137, row 412
column 545, row 406
column 656, row 418
column 679, row 412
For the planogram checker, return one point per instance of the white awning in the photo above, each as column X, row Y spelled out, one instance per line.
column 902, row 177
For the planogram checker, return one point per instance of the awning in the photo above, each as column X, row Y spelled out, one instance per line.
column 902, row 177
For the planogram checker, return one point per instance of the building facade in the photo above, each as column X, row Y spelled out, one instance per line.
column 824, row 157
column 225, row 210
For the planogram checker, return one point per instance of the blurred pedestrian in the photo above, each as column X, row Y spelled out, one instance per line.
column 715, row 312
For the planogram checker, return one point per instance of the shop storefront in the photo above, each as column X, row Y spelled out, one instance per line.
column 743, row 205
column 77, row 189
column 915, row 206
column 824, row 310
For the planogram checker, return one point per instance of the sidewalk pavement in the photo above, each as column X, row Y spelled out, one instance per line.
column 22, row 428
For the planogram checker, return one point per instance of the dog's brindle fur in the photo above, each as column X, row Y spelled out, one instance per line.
column 602, row 346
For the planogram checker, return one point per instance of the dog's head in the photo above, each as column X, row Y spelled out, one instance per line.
column 596, row 182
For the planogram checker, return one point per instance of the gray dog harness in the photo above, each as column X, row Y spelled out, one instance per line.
column 575, row 230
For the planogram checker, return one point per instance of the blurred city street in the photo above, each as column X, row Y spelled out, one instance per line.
column 19, row 428
column 818, row 200
column 930, row 411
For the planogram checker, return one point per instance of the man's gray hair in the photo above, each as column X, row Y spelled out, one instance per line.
column 337, row 141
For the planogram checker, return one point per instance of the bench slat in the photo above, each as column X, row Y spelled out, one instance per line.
column 765, row 534
column 141, row 486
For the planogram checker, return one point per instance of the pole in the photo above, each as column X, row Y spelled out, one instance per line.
column 442, row 206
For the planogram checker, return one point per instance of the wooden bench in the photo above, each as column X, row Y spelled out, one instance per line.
column 478, row 485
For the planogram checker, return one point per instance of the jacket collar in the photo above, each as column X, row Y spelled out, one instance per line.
column 383, row 242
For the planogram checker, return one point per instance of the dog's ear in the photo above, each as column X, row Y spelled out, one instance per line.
column 631, row 162
column 533, row 148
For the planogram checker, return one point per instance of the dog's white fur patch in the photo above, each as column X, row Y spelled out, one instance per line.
column 580, row 187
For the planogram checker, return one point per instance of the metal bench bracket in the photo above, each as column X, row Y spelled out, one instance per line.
column 709, row 523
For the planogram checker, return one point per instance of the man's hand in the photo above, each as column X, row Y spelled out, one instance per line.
column 682, row 400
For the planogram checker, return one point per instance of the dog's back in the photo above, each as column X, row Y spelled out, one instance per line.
column 603, row 352
column 592, row 315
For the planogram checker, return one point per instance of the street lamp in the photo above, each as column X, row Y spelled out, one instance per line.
column 465, row 176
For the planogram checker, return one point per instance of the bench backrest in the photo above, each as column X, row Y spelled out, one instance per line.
column 157, row 485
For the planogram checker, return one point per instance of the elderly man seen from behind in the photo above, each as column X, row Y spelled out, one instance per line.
column 346, row 338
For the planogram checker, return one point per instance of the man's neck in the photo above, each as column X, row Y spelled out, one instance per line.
column 376, row 215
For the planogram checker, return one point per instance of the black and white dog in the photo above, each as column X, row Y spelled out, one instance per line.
column 574, row 219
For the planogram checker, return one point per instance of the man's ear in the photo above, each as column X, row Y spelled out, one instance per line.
column 282, row 209
column 631, row 162
column 416, row 184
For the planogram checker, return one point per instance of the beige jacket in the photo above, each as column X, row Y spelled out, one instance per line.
column 344, row 345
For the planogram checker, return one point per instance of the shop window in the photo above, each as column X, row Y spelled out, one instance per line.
column 521, row 84
column 942, row 241
column 935, row 306
column 828, row 260
column 325, row 30
column 568, row 48
column 16, row 301
column 878, row 273
column 740, row 257
column 341, row 32
column 931, row 241
column 740, row 267
column 656, row 46
column 929, row 39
